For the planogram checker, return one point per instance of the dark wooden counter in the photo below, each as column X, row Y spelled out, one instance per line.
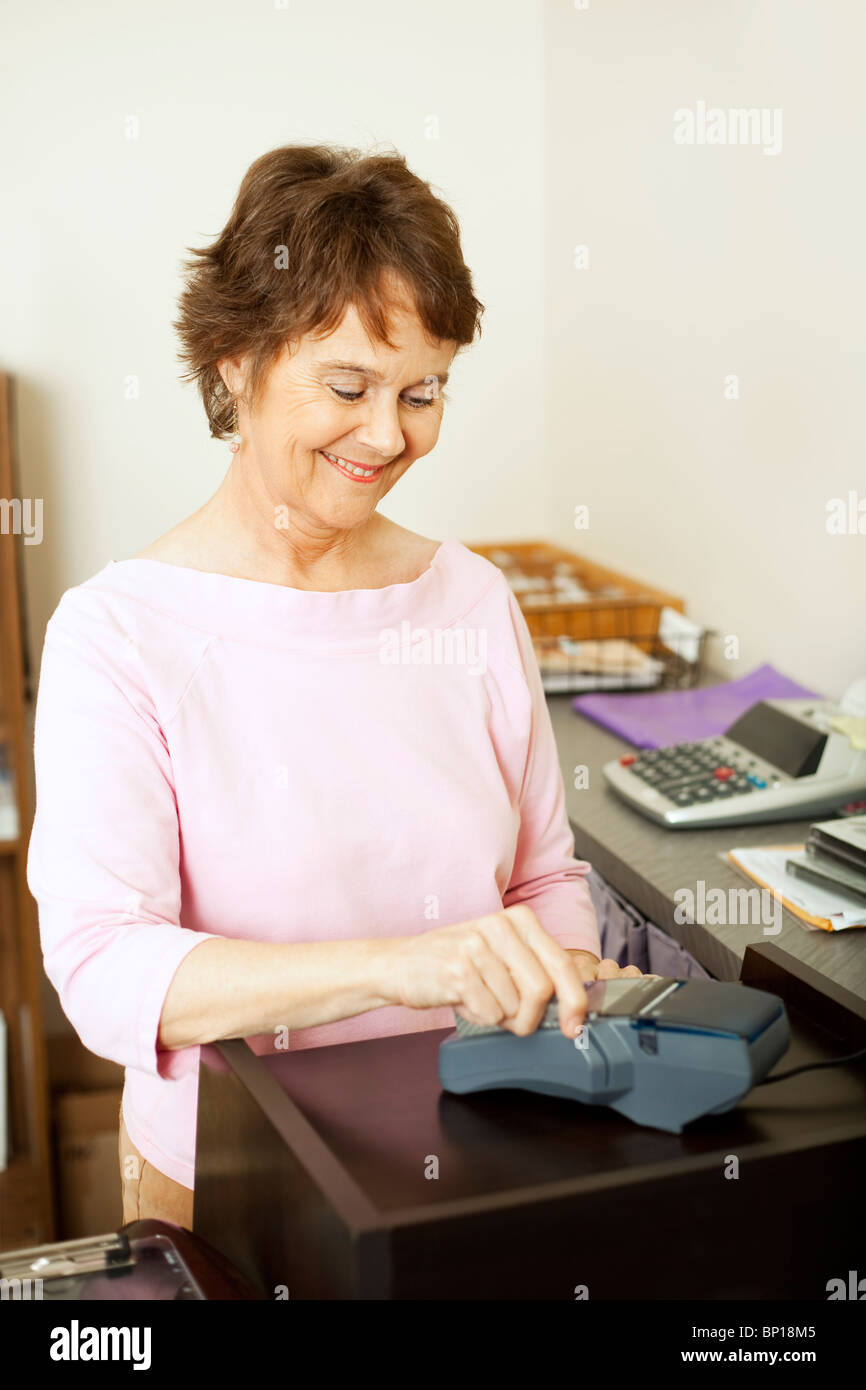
column 312, row 1175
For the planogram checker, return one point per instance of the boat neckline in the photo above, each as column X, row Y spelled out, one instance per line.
column 235, row 579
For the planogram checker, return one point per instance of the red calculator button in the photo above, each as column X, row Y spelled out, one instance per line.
column 723, row 773
column 628, row 758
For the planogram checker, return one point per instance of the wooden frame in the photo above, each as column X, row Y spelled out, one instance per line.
column 26, row 1203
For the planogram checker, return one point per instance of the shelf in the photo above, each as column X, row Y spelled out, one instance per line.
column 26, row 1189
column 19, row 1205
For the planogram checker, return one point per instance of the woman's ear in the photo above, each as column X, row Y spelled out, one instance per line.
column 233, row 372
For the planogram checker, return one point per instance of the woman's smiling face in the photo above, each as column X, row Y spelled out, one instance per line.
column 344, row 402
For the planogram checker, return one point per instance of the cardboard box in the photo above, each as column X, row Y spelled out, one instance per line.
column 89, row 1187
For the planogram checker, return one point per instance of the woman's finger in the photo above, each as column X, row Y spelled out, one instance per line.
column 561, row 968
column 570, row 991
column 609, row 970
column 498, row 979
column 532, row 980
column 477, row 1002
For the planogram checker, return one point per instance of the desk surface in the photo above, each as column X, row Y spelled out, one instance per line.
column 648, row 864
column 378, row 1109
column 313, row 1172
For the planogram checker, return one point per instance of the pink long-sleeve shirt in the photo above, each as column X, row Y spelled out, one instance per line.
column 222, row 757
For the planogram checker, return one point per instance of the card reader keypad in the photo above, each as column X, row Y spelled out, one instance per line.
column 691, row 773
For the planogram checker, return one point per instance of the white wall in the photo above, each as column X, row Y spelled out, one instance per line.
column 100, row 223
column 97, row 226
column 706, row 261
column 602, row 386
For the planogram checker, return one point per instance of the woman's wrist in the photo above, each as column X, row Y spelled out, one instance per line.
column 379, row 972
column 389, row 963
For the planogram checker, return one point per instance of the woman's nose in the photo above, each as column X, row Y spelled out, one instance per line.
column 379, row 430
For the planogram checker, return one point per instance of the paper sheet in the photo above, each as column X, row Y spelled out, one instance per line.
column 816, row 907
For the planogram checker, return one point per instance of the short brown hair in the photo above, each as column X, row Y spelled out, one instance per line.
column 345, row 219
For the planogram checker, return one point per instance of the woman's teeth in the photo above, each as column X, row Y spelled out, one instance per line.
column 351, row 467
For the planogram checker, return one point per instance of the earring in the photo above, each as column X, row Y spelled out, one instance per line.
column 235, row 442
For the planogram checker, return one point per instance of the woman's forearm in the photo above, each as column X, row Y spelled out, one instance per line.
column 236, row 989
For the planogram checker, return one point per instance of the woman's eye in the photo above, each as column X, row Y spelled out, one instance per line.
column 417, row 402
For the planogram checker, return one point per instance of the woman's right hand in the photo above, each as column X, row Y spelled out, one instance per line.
column 502, row 968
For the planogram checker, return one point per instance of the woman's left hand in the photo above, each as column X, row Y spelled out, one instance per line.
column 591, row 968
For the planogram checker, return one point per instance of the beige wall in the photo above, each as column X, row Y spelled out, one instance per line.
column 100, row 224
column 601, row 386
column 707, row 261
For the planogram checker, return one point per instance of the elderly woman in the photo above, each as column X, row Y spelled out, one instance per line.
column 296, row 778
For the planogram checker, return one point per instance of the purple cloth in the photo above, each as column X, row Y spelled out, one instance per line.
column 680, row 716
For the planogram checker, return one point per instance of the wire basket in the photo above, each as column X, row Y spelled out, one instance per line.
column 666, row 660
column 595, row 629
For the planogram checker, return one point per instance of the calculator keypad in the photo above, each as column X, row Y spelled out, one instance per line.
column 694, row 773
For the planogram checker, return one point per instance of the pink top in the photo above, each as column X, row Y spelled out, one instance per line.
column 222, row 757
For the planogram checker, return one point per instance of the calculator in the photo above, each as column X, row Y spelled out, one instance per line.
column 781, row 760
